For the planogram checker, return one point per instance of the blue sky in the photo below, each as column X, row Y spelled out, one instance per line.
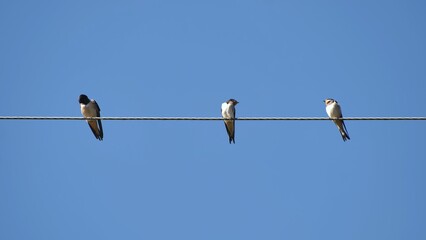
column 183, row 180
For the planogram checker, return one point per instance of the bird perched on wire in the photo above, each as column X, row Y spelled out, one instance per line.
column 228, row 112
column 334, row 111
column 90, row 108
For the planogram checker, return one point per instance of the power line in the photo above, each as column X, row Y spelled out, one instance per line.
column 214, row 118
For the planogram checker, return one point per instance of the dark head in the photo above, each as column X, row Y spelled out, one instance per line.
column 83, row 99
column 329, row 101
column 233, row 101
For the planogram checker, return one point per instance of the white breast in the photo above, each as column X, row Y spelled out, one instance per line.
column 333, row 110
column 227, row 110
column 88, row 110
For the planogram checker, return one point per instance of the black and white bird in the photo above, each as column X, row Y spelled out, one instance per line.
column 89, row 108
column 334, row 111
column 228, row 112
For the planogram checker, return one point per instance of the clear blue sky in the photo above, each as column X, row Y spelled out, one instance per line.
column 183, row 180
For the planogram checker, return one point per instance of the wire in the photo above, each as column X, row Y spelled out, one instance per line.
column 215, row 118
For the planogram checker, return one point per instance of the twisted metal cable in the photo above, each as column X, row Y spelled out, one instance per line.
column 214, row 118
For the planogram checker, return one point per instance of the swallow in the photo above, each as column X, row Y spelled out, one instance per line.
column 334, row 111
column 228, row 111
column 90, row 108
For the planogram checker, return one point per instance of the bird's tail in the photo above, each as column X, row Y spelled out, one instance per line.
column 345, row 136
column 344, row 132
